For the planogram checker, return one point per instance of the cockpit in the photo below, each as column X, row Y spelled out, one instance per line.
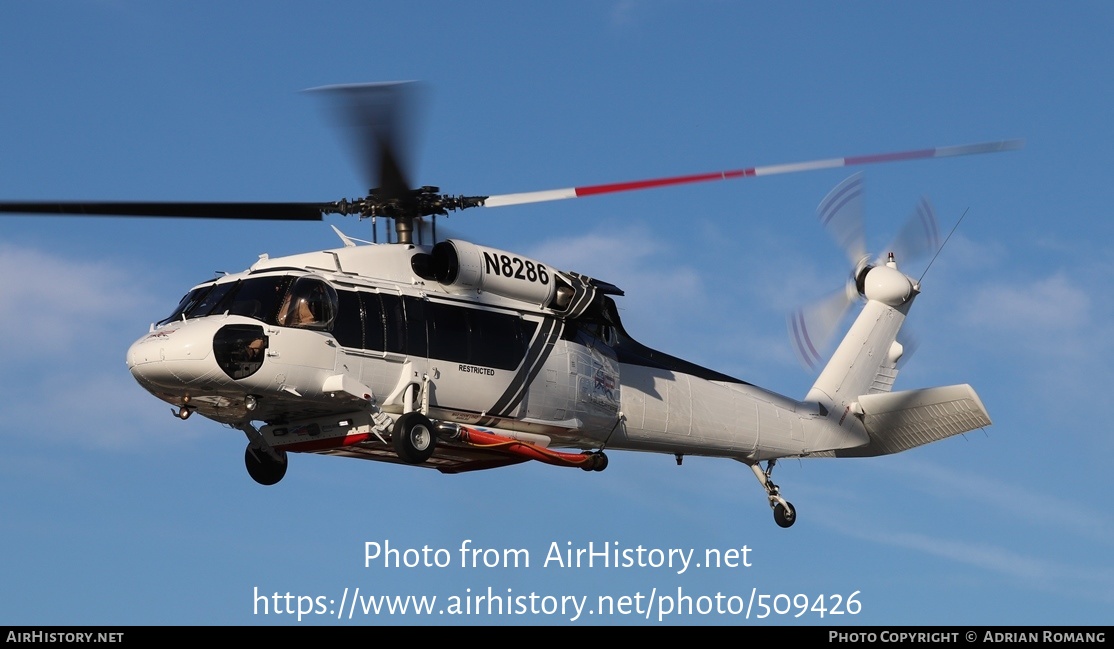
column 284, row 300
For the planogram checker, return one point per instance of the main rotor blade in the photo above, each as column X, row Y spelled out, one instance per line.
column 250, row 211
column 379, row 117
column 793, row 167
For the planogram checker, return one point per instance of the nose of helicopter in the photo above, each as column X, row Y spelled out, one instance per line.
column 198, row 353
column 172, row 356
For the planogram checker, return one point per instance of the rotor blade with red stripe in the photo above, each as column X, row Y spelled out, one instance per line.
column 769, row 170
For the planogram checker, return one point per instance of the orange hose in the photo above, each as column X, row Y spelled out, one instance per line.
column 527, row 450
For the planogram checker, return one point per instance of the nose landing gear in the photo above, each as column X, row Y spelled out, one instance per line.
column 263, row 467
column 266, row 465
column 784, row 514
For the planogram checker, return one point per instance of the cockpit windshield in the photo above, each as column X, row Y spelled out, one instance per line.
column 278, row 300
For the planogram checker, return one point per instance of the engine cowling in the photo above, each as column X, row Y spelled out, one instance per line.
column 460, row 265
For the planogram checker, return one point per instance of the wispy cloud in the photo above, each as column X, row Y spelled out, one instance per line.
column 1051, row 310
column 1001, row 504
column 53, row 302
column 1032, row 572
column 622, row 12
column 65, row 336
column 98, row 408
column 1034, row 309
column 1014, row 326
column 1037, row 508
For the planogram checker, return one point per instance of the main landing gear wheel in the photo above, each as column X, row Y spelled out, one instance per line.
column 784, row 514
column 263, row 468
column 414, row 438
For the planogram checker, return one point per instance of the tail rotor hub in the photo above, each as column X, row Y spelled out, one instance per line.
column 888, row 285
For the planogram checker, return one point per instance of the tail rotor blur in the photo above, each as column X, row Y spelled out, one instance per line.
column 812, row 327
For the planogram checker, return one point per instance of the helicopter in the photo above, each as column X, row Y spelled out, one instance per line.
column 460, row 357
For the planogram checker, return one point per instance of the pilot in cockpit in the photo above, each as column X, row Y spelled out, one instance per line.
column 306, row 304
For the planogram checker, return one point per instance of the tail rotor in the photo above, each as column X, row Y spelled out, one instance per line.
column 812, row 327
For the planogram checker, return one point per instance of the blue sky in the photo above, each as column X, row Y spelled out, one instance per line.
column 113, row 512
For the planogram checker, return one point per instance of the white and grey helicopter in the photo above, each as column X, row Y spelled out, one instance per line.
column 459, row 357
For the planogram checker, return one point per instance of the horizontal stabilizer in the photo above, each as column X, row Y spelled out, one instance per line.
column 899, row 421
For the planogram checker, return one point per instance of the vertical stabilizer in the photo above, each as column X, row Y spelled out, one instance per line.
column 865, row 362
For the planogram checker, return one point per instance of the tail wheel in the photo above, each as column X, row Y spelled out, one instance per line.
column 784, row 515
column 414, row 438
column 263, row 468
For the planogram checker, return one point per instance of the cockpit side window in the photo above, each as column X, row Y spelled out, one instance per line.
column 189, row 301
column 310, row 303
column 210, row 300
column 258, row 297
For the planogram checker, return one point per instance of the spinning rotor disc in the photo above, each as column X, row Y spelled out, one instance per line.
column 377, row 118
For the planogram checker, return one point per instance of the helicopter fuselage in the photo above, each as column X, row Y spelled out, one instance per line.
column 460, row 357
column 314, row 345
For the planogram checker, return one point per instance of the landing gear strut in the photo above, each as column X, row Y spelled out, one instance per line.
column 784, row 514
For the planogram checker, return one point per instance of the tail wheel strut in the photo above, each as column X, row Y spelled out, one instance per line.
column 784, row 513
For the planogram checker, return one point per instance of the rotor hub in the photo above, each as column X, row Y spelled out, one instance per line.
column 412, row 204
column 887, row 285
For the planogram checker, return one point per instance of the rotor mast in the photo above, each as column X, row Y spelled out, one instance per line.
column 403, row 207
